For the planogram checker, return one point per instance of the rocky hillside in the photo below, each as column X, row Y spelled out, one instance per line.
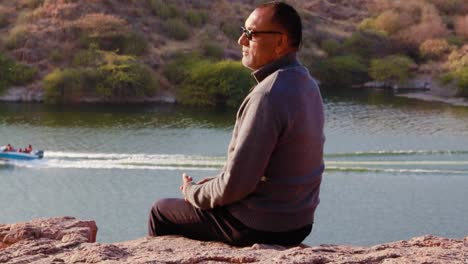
column 49, row 35
column 68, row 240
column 122, row 50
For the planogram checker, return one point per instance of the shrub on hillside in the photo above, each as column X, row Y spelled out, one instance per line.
column 110, row 33
column 455, row 41
column 101, row 25
column 32, row 4
column 16, row 38
column 196, row 18
column 231, row 30
column 212, row 50
column 391, row 68
column 68, row 85
column 457, row 59
column 21, row 74
column 178, row 68
column 163, row 9
column 461, row 77
column 123, row 79
column 341, row 72
column 3, row 20
column 434, row 48
column 461, row 26
column 176, row 28
column 367, row 44
column 330, row 46
column 223, row 83
column 12, row 73
column 114, row 77
column 91, row 57
column 392, row 21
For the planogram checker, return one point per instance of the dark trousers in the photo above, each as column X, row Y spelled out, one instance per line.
column 178, row 217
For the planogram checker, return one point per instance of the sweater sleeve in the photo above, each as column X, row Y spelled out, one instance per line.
column 258, row 128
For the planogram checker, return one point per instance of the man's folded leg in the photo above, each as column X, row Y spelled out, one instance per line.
column 178, row 217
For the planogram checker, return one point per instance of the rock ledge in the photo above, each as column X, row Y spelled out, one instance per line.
column 69, row 240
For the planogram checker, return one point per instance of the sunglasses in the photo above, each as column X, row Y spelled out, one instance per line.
column 249, row 33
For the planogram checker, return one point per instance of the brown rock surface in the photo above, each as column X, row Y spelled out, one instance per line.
column 68, row 240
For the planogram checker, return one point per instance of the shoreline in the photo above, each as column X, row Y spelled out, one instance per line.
column 434, row 97
column 25, row 95
column 436, row 93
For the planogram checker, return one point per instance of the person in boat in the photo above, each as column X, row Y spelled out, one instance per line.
column 9, row 148
column 28, row 149
column 268, row 190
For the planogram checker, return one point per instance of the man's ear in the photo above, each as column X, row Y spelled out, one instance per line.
column 282, row 44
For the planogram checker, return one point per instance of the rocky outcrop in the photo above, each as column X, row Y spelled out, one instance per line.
column 68, row 240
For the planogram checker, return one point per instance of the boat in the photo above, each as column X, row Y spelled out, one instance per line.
column 16, row 155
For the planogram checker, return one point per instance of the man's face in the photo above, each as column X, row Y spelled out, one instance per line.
column 261, row 49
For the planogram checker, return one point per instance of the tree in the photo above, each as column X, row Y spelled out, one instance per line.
column 391, row 68
column 342, row 72
column 224, row 83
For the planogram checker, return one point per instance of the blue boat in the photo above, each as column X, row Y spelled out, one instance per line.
column 16, row 155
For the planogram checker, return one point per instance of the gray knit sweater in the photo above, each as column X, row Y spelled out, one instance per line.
column 274, row 165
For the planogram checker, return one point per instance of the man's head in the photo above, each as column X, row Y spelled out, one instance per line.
column 272, row 30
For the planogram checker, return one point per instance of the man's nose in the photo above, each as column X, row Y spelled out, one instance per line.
column 243, row 40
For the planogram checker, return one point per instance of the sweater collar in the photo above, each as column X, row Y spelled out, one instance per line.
column 289, row 59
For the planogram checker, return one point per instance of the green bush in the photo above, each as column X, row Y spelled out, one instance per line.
column 3, row 20
column 133, row 44
column 231, row 30
column 224, row 83
column 16, row 38
column 125, row 43
column 177, row 70
column 391, row 68
column 125, row 79
column 456, row 41
column 61, row 86
column 460, row 77
column 110, row 33
column 212, row 50
column 367, row 44
column 163, row 9
column 12, row 73
column 32, row 4
column 92, row 57
column 341, row 72
column 446, row 78
column 176, row 28
column 22, row 74
column 196, row 18
column 56, row 56
column 112, row 76
column 462, row 81
column 330, row 46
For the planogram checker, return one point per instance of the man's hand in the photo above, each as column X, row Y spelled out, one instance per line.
column 205, row 180
column 185, row 181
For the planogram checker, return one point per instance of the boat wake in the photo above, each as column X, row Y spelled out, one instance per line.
column 392, row 162
column 81, row 160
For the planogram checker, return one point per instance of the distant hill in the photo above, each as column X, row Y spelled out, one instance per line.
column 115, row 44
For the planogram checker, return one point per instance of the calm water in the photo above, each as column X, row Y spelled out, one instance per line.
column 396, row 168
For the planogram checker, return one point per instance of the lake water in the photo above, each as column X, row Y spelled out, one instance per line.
column 395, row 168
